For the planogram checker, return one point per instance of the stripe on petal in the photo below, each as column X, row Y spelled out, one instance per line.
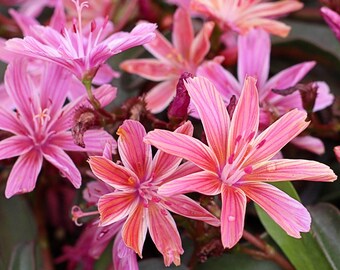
column 184, row 206
column 213, row 113
column 112, row 174
column 234, row 203
column 135, row 228
column 291, row 169
column 15, row 146
column 184, row 146
column 290, row 214
column 115, row 206
column 134, row 153
column 24, row 174
column 203, row 182
column 164, row 234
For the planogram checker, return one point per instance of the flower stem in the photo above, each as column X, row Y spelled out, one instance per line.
column 265, row 251
column 95, row 103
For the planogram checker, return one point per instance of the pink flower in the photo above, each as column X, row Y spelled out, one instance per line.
column 333, row 20
column 186, row 53
column 81, row 50
column 254, row 60
column 243, row 15
column 236, row 162
column 40, row 125
column 136, row 197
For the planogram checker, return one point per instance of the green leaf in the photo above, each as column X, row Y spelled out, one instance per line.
column 24, row 257
column 158, row 264
column 304, row 253
column 237, row 261
column 326, row 224
column 17, row 226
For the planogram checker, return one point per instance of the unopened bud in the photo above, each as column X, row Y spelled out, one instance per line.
column 232, row 105
column 178, row 108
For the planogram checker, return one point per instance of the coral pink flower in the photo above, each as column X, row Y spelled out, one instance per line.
column 80, row 50
column 243, row 15
column 186, row 53
column 41, row 126
column 136, row 197
column 237, row 163
column 254, row 60
column 333, row 20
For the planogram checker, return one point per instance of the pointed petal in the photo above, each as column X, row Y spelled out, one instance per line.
column 115, row 206
column 150, row 69
column 63, row 162
column 160, row 96
column 164, row 234
column 233, row 212
column 15, row 146
column 291, row 169
column 204, row 182
column 224, row 81
column 135, row 228
column 254, row 56
column 290, row 214
column 324, row 97
column 184, row 206
column 276, row 136
column 112, row 174
column 288, row 77
column 162, row 49
column 182, row 32
column 9, row 121
column 201, row 44
column 24, row 174
column 309, row 143
column 244, row 126
column 184, row 146
column 165, row 164
column 213, row 114
column 134, row 153
column 94, row 139
column 332, row 18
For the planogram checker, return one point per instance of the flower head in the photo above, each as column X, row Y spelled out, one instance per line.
column 185, row 55
column 237, row 161
column 254, row 60
column 41, row 125
column 243, row 15
column 136, row 199
column 81, row 49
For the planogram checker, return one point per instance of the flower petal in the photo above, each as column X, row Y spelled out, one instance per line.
column 24, row 173
column 201, row 44
column 165, row 164
column 15, row 146
column 122, row 256
column 164, row 234
column 63, row 162
column 112, row 174
column 150, row 69
column 291, row 169
column 184, row 146
column 276, row 136
column 182, row 32
column 312, row 144
column 160, row 96
column 134, row 153
column 244, row 126
column 233, row 212
column 290, row 214
column 135, row 228
column 184, row 206
column 324, row 97
column 213, row 114
column 115, row 206
column 253, row 56
column 203, row 182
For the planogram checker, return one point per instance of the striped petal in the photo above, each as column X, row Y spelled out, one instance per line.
column 290, row 214
column 233, row 212
column 182, row 32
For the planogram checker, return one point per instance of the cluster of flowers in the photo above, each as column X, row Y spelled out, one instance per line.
column 59, row 69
